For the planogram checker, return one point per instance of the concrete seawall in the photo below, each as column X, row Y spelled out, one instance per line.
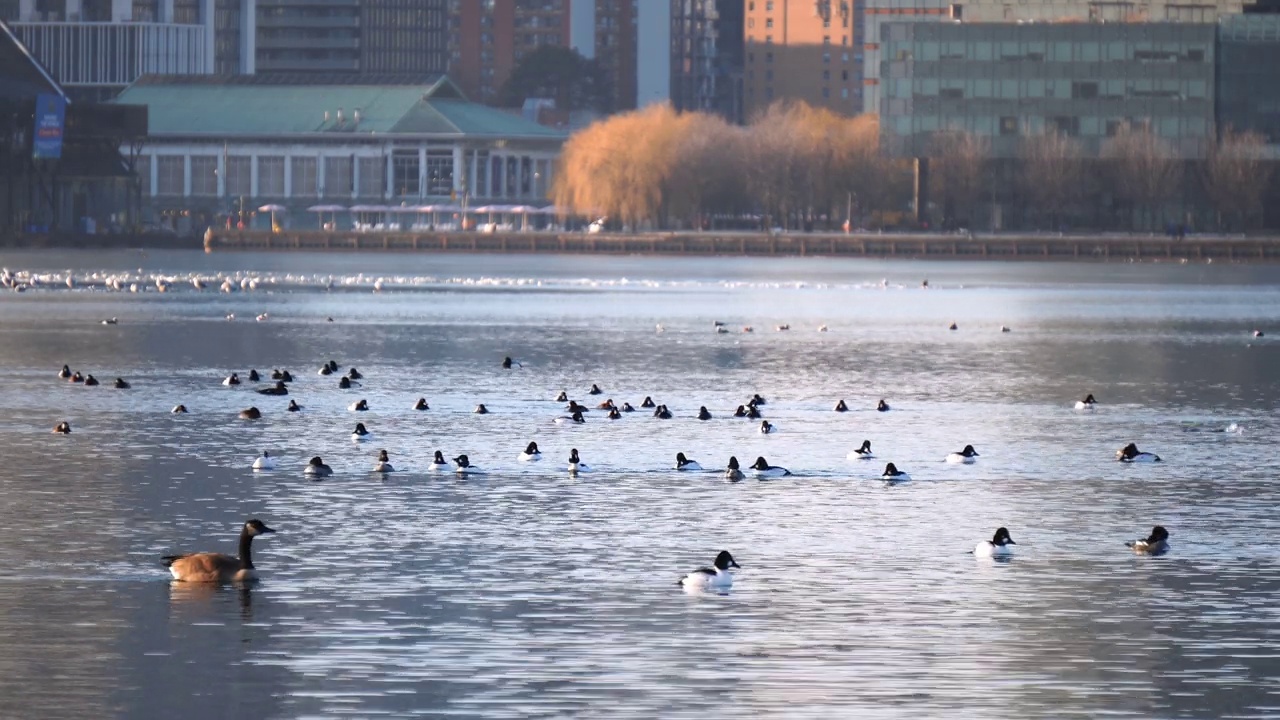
column 932, row 246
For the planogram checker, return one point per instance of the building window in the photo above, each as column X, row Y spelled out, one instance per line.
column 373, row 177
column 768, row 75
column 751, row 23
column 1084, row 90
column 303, row 183
column 337, row 177
column 439, row 172
column 204, row 175
column 239, row 175
column 768, row 57
column 768, row 6
column 169, row 174
column 406, row 173
column 826, row 39
column 271, row 176
column 844, row 92
column 768, row 23
column 751, row 57
column 1008, row 126
column 844, row 75
column 826, row 74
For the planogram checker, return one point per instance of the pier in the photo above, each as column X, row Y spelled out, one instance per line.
column 745, row 244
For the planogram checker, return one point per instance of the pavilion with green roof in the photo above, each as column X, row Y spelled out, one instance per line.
column 219, row 144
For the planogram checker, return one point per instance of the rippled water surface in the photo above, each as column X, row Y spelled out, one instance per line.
column 524, row 592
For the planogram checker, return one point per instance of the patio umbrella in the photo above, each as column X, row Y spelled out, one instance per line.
column 322, row 209
column 273, row 209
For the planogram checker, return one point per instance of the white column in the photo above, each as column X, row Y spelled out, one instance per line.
column 321, row 187
column 253, row 176
column 186, row 175
column 502, row 177
column 459, row 170
column 389, row 160
column 222, row 175
column 288, row 174
column 355, row 176
column 155, row 175
column 475, row 174
column 422, row 171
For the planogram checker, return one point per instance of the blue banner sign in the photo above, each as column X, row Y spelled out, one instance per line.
column 51, row 111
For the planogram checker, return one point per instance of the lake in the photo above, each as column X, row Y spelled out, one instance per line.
column 525, row 592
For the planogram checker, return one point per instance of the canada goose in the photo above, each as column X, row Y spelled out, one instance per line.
column 218, row 568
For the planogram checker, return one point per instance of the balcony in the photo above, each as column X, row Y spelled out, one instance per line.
column 115, row 54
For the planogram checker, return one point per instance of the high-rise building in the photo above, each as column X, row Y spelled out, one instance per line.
column 366, row 37
column 488, row 39
column 706, row 56
column 806, row 50
column 613, row 28
column 94, row 48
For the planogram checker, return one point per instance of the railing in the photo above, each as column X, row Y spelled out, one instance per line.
column 88, row 54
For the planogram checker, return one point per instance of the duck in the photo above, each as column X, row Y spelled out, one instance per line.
column 965, row 456
column 662, row 413
column 575, row 463
column 1005, row 329
column 741, row 412
column 438, row 463
column 722, row 330
column 76, row 377
column 462, row 466
column 685, row 464
column 251, row 413
column 325, row 370
column 507, row 362
column 703, row 413
column 333, row 365
column 421, row 404
column 1156, row 544
column 733, row 472
column 757, row 399
column 748, row 329
column 91, row 381
column 346, row 384
column 606, row 405
column 481, row 410
column 647, row 402
column 294, row 407
column 232, row 379
column 178, row 409
column 614, row 414
column 211, row 567
column 764, row 469
column 766, row 427
column 531, row 453
column 575, row 418
column 715, row 577
column 360, row 405
column 562, row 397
column 1258, row 333
column 264, row 462
column 893, row 474
column 278, row 389
column 952, row 326
column 254, row 376
column 121, row 384
column 862, row 453
column 384, row 463
column 595, row 390
column 62, row 428
column 753, row 413
column 1087, row 403
column 822, row 328
column 574, row 407
column 65, row 372
column 1129, row 453
column 361, row 433
column 354, row 374
column 626, row 407
column 841, row 407
column 111, row 321
column 997, row 546
column 286, row 376
column 882, row 406
column 277, row 374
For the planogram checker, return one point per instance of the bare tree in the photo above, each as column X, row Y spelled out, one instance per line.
column 1053, row 175
column 1146, row 173
column 1236, row 175
column 958, row 158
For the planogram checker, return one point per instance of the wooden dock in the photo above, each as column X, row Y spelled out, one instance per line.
column 919, row 246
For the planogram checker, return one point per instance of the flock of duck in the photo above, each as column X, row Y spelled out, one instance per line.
column 217, row 567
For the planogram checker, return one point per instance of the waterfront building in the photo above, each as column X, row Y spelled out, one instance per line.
column 368, row 37
column 220, row 146
column 1249, row 74
column 707, row 56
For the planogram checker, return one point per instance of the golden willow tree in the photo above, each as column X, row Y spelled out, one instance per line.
column 794, row 164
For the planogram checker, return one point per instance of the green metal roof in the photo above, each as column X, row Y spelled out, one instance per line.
column 180, row 107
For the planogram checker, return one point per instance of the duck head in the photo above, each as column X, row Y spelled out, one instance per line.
column 1001, row 538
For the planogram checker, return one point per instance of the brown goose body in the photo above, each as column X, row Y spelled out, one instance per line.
column 209, row 567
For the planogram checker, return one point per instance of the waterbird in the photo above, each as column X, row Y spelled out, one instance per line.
column 1087, row 403
column 76, row 377
column 841, row 407
column 216, row 567
column 862, row 453
column 717, row 576
column 111, row 321
column 438, row 463
column 614, row 414
column 893, row 474
column 952, row 326
column 232, row 379
column 421, row 404
column 684, row 463
column 1130, row 453
column 530, row 454
column 766, row 427
column 882, row 406
column 562, row 397
column 733, row 472
column 361, row 433
column 120, row 384
column 462, row 466
column 647, row 402
column 997, row 546
column 355, row 374
column 662, row 413
column 251, row 413
column 762, row 468
column 594, row 390
column 178, row 409
column 360, row 405
column 1156, row 544
column 294, row 407
column 575, row 463
column 575, row 418
column 481, row 410
column 384, row 463
column 65, row 372
column 703, row 413
column 254, row 377
column 91, row 381
column 62, row 428
column 264, row 462
column 965, row 456
column 279, row 389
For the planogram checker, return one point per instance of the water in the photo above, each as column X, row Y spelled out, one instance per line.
column 525, row 593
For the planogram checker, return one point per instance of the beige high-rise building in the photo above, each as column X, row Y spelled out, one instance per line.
column 806, row 50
